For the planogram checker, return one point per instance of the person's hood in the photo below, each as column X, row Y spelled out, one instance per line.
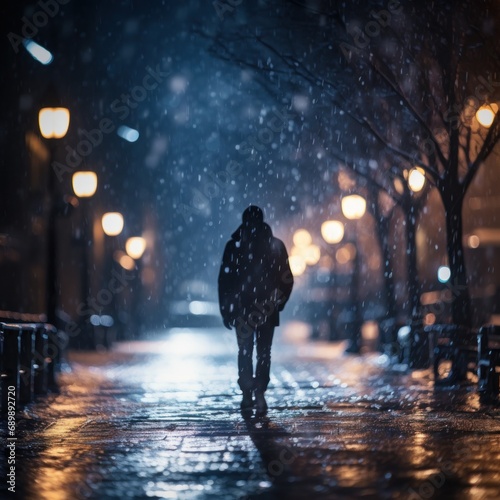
column 238, row 234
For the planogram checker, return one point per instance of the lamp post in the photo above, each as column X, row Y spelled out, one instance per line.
column 53, row 124
column 416, row 179
column 485, row 115
column 354, row 207
column 84, row 187
column 112, row 223
column 135, row 248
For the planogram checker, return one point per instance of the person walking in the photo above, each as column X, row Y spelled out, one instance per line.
column 255, row 283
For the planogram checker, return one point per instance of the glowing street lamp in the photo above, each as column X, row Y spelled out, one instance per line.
column 297, row 264
column 84, row 184
column 416, row 179
column 312, row 254
column 135, row 247
column 112, row 223
column 353, row 206
column 332, row 231
column 486, row 114
column 53, row 122
column 302, row 238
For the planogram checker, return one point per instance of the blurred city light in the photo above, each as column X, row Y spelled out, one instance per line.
column 37, row 52
column 345, row 253
column 473, row 241
column 353, row 206
column 53, row 122
column 444, row 274
column 135, row 247
column 398, row 185
column 312, row 254
column 332, row 231
column 84, row 184
column 302, row 238
column 101, row 320
column 127, row 133
column 297, row 264
column 486, row 114
column 124, row 260
column 416, row 179
column 112, row 223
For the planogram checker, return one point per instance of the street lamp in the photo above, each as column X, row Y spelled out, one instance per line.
column 312, row 254
column 416, row 179
column 85, row 186
column 486, row 114
column 135, row 247
column 302, row 238
column 353, row 206
column 112, row 223
column 53, row 124
column 332, row 231
column 297, row 264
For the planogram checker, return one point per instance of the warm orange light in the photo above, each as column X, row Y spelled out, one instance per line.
column 302, row 238
column 297, row 264
column 353, row 206
column 416, row 179
column 53, row 122
column 135, row 247
column 112, row 223
column 84, row 184
column 312, row 254
column 332, row 231
column 486, row 114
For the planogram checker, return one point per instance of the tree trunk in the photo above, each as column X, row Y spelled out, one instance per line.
column 389, row 287
column 383, row 227
column 411, row 262
column 461, row 303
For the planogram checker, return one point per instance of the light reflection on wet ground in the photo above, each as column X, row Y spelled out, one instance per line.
column 160, row 419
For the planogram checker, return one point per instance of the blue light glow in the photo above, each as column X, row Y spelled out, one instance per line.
column 127, row 133
column 444, row 274
column 39, row 53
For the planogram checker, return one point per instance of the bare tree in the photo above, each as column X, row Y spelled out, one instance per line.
column 410, row 78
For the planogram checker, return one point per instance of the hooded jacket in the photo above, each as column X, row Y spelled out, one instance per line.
column 255, row 280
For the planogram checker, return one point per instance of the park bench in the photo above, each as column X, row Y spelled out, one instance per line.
column 488, row 360
column 455, row 352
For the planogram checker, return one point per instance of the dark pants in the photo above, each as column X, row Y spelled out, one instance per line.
column 263, row 337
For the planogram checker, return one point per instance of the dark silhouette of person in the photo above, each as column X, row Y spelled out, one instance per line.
column 255, row 282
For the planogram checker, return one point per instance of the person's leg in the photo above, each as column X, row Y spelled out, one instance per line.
column 245, row 338
column 264, row 336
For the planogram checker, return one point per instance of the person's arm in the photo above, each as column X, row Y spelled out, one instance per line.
column 285, row 285
column 225, row 284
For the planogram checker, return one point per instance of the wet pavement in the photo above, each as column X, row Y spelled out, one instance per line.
column 160, row 419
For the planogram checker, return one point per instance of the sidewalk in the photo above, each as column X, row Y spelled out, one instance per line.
column 160, row 419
